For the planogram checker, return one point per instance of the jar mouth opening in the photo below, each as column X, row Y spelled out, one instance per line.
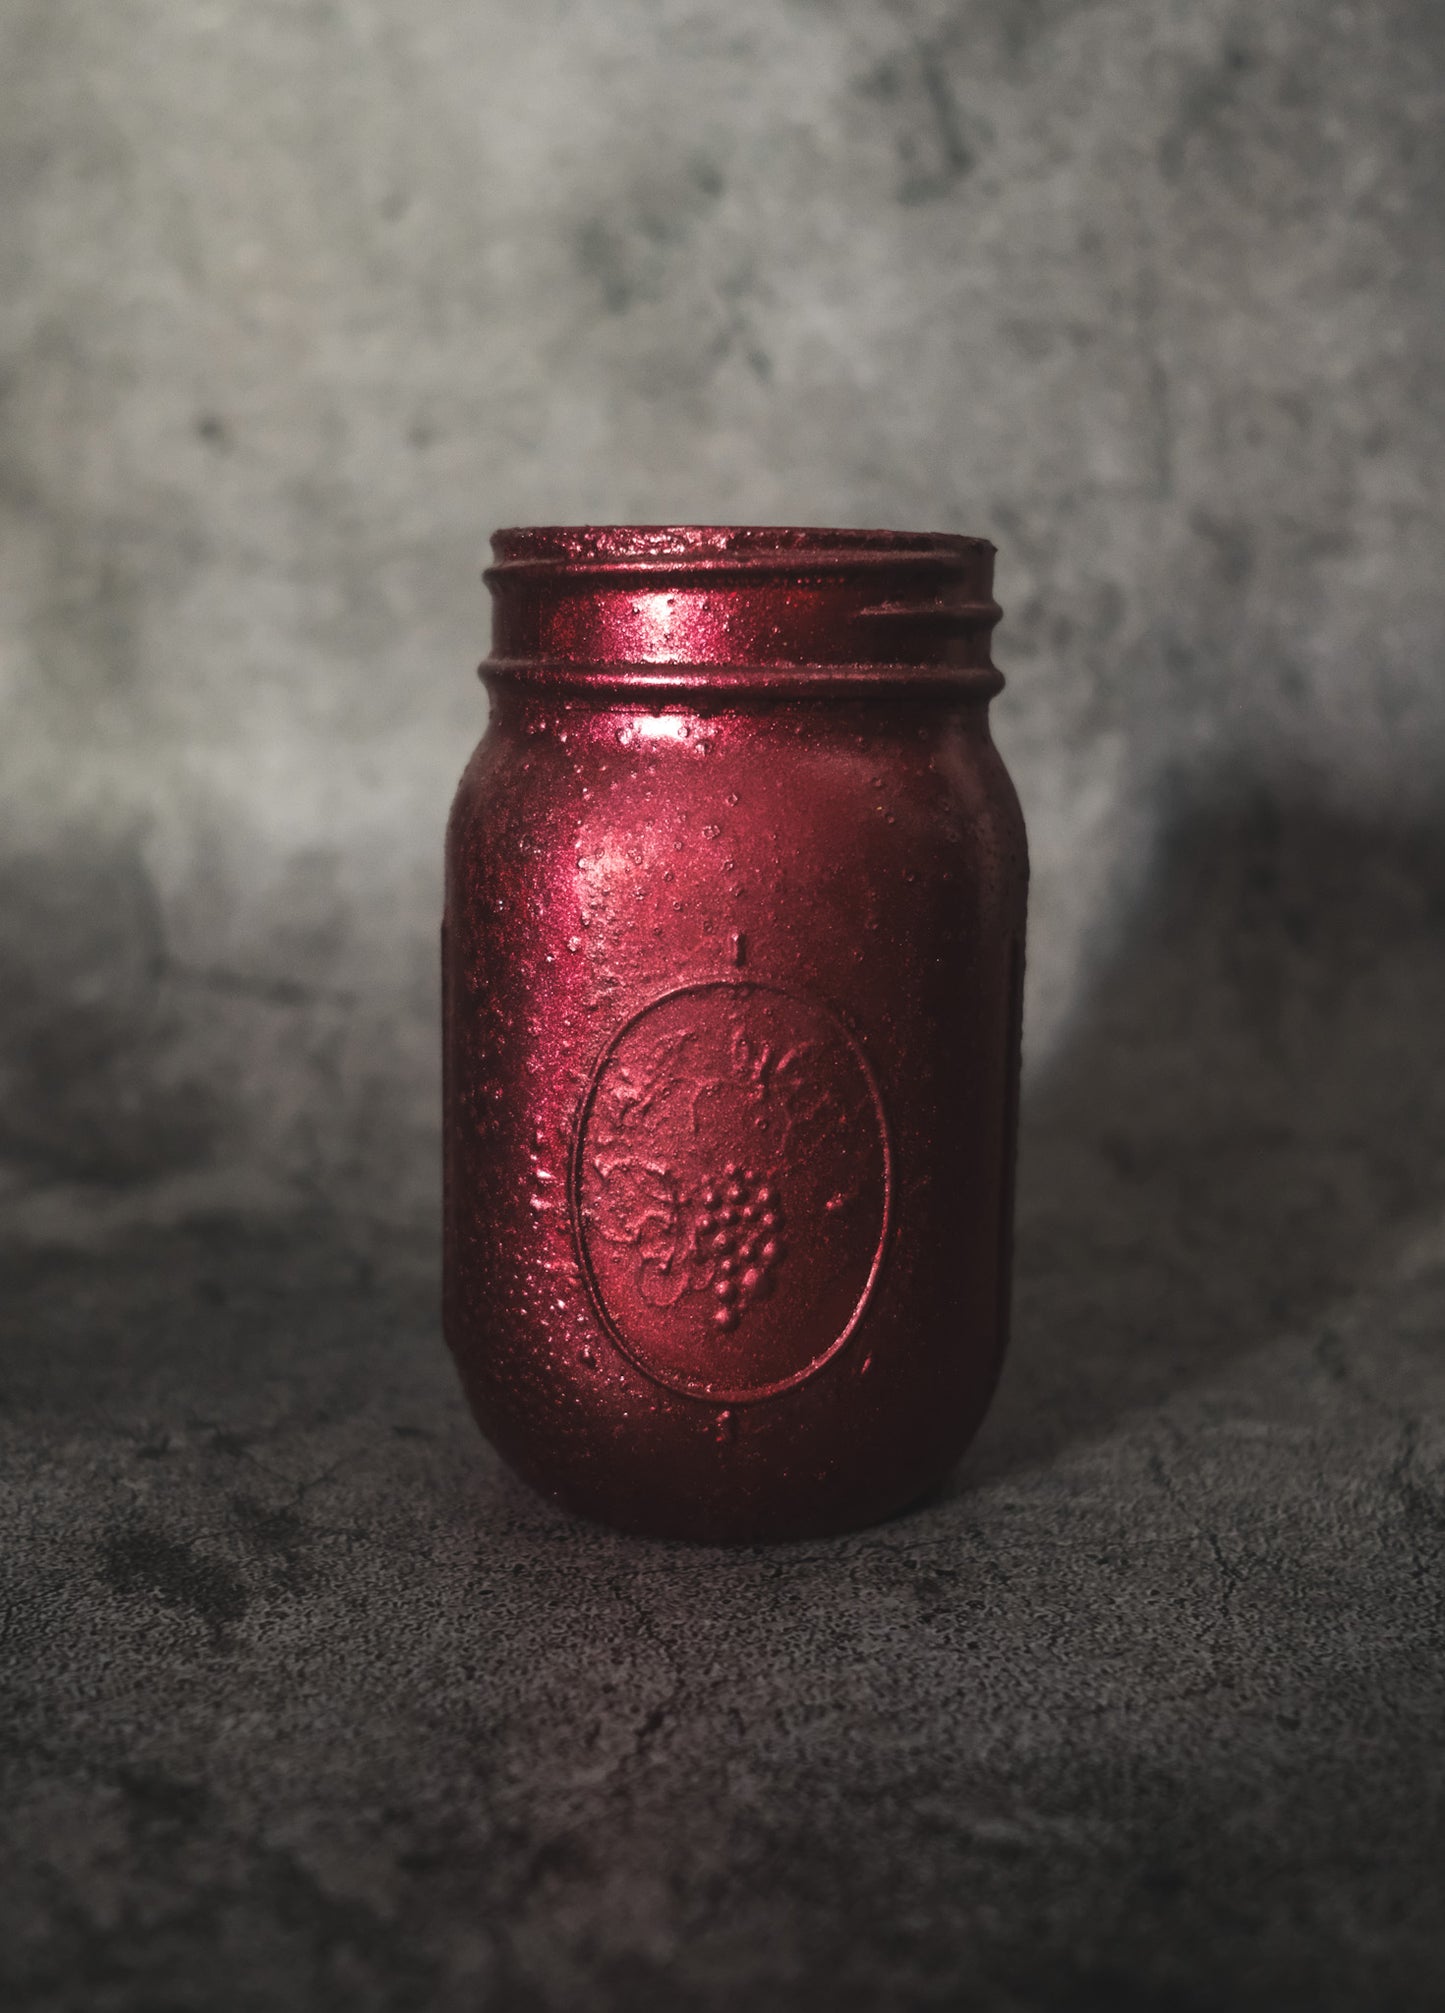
column 728, row 601
column 766, row 547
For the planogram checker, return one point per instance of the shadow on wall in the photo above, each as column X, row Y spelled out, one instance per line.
column 88, row 1091
column 129, row 1070
column 1246, row 1124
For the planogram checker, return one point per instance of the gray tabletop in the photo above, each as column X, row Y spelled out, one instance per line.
column 307, row 1703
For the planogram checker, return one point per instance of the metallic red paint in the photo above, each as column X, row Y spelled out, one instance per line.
column 731, row 979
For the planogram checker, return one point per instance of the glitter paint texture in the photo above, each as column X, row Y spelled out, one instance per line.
column 732, row 965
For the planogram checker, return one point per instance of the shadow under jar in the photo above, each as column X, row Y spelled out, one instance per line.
column 732, row 965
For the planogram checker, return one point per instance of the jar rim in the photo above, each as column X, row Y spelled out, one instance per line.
column 766, row 547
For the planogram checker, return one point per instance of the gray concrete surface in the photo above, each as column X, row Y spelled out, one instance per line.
column 302, row 1702
column 307, row 1704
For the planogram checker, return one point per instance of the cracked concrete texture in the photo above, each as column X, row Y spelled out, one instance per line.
column 302, row 1701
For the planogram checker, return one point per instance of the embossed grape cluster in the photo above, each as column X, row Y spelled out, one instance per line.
column 740, row 1226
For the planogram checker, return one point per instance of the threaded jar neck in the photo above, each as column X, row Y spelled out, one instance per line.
column 723, row 606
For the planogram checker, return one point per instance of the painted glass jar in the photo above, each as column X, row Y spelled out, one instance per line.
column 732, row 964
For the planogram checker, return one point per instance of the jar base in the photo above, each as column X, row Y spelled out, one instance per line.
column 745, row 1524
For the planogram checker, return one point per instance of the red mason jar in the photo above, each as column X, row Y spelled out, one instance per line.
column 732, row 965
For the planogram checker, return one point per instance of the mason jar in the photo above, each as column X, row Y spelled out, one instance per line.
column 732, row 968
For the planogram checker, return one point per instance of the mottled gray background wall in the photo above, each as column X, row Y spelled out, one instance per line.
column 299, row 299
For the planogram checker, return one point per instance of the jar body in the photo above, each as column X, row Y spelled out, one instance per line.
column 731, row 1019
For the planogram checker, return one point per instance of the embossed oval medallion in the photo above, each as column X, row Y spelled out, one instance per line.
column 730, row 1188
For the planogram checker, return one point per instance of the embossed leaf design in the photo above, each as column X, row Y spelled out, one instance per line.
column 730, row 1128
column 636, row 1203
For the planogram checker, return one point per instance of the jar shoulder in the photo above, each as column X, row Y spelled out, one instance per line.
column 922, row 759
column 783, row 797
